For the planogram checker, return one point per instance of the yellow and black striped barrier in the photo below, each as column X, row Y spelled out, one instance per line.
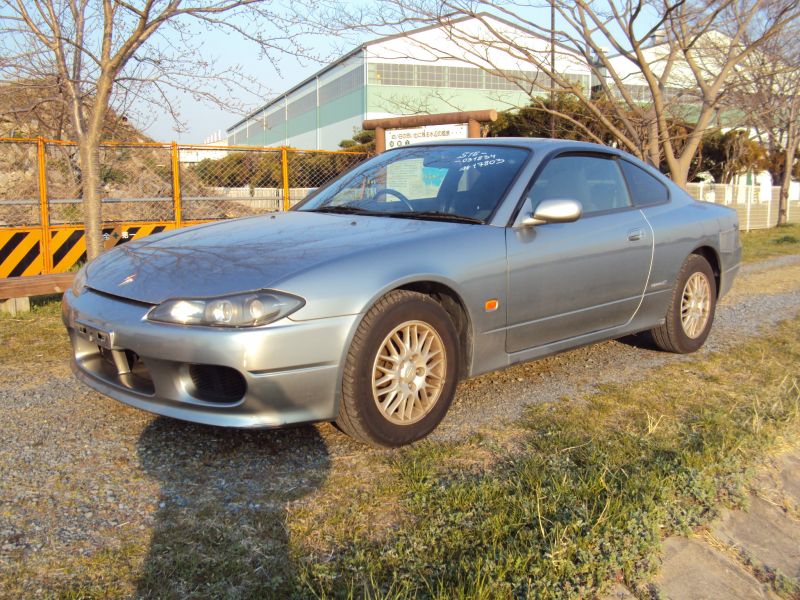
column 21, row 253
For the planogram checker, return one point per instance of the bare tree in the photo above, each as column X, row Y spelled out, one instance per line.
column 91, row 57
column 657, row 65
column 769, row 96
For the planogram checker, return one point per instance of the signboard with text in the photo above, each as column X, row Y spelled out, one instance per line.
column 429, row 133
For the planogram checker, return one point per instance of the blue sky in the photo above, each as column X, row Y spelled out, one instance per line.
column 202, row 119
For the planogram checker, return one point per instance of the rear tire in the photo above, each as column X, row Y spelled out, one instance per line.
column 691, row 311
column 401, row 371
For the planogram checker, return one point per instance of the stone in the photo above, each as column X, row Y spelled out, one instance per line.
column 789, row 474
column 766, row 534
column 693, row 570
column 618, row 592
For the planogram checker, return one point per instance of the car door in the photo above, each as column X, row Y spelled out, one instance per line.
column 570, row 279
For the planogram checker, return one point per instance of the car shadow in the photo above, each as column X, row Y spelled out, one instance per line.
column 220, row 528
column 642, row 340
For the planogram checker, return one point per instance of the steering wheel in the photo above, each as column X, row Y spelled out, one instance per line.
column 392, row 192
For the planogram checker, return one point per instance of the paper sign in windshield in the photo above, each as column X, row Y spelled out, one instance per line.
column 477, row 159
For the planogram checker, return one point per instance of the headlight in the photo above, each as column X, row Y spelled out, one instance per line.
column 79, row 283
column 240, row 310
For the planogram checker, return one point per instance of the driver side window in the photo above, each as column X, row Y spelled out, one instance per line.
column 594, row 181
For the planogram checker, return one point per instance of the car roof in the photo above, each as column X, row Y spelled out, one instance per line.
column 525, row 142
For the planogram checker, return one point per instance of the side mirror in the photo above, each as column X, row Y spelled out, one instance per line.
column 554, row 211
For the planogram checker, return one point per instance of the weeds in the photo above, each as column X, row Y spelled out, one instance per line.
column 597, row 486
column 766, row 243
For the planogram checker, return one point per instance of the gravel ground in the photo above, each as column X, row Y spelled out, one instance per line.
column 82, row 475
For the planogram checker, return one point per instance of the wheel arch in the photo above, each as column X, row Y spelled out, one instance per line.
column 712, row 256
column 454, row 305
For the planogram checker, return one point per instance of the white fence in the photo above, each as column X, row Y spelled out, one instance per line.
column 757, row 205
column 255, row 199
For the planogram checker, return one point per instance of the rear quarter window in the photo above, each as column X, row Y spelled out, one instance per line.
column 645, row 189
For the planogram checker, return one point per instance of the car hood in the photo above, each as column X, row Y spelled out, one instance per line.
column 244, row 254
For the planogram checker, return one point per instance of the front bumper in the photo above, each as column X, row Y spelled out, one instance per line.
column 286, row 372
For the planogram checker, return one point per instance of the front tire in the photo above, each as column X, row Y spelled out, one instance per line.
column 691, row 312
column 401, row 371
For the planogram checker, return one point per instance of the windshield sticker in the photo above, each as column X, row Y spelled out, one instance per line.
column 478, row 160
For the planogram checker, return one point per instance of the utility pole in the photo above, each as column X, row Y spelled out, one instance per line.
column 552, row 67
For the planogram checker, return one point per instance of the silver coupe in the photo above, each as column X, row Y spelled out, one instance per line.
column 369, row 301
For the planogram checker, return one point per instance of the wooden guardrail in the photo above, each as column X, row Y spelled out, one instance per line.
column 36, row 285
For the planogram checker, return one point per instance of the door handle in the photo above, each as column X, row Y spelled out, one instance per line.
column 635, row 235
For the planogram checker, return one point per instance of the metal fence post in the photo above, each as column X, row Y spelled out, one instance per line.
column 176, row 186
column 769, row 208
column 747, row 199
column 285, row 177
column 44, row 213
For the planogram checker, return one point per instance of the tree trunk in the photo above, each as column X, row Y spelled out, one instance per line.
column 783, row 198
column 89, row 156
column 792, row 143
column 679, row 170
column 653, row 147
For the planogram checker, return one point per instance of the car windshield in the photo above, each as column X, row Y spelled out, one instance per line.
column 459, row 183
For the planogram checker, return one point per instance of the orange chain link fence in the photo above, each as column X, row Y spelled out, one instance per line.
column 146, row 188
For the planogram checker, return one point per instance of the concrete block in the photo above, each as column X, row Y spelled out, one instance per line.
column 13, row 306
column 766, row 533
column 692, row 570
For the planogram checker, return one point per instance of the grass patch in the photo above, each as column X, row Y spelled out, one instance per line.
column 761, row 244
column 34, row 342
column 599, row 482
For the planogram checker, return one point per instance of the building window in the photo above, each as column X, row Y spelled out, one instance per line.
column 642, row 93
column 581, row 80
column 392, row 74
column 431, row 76
column 463, row 77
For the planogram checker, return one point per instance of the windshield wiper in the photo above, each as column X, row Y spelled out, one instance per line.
column 421, row 215
column 435, row 214
column 346, row 210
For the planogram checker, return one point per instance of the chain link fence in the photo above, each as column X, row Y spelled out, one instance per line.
column 308, row 170
column 144, row 188
column 219, row 184
column 19, row 185
column 135, row 184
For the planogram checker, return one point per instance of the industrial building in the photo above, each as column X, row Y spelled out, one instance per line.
column 410, row 73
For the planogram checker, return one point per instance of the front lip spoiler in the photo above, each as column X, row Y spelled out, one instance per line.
column 193, row 414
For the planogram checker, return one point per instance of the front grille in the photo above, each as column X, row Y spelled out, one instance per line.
column 212, row 383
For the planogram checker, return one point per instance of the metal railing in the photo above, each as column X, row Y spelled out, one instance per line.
column 145, row 188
